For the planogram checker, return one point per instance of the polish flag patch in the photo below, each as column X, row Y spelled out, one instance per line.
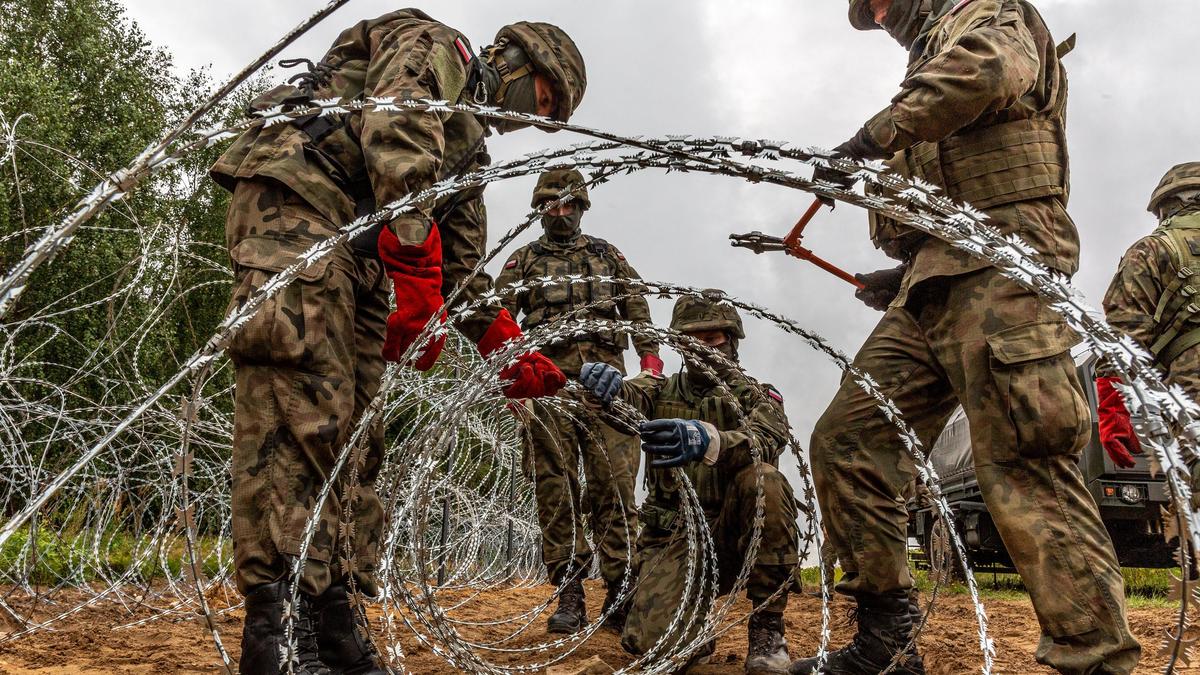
column 510, row 264
column 774, row 394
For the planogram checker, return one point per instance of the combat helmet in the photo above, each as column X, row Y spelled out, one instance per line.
column 710, row 311
column 1182, row 177
column 861, row 16
column 553, row 53
column 553, row 183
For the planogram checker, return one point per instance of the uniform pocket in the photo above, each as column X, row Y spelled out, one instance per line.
column 288, row 330
column 1039, row 389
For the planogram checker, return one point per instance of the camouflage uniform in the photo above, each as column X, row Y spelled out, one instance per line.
column 556, row 440
column 727, row 492
column 309, row 362
column 980, row 114
column 1151, row 297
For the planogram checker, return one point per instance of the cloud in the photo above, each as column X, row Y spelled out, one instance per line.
column 784, row 70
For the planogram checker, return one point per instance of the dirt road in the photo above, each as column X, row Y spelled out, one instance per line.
column 88, row 643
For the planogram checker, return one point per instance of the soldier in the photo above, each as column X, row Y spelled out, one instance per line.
column 557, row 441
column 1151, row 299
column 709, row 435
column 310, row 360
column 980, row 114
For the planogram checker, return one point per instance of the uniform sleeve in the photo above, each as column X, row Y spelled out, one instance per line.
column 402, row 150
column 988, row 68
column 464, row 238
column 765, row 422
column 1133, row 295
column 511, row 274
column 636, row 310
column 642, row 392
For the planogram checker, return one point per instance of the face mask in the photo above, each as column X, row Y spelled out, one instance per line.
column 520, row 94
column 562, row 228
column 701, row 379
column 905, row 19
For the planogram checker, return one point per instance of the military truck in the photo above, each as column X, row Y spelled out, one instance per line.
column 1131, row 500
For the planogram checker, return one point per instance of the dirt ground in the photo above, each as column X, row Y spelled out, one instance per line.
column 88, row 643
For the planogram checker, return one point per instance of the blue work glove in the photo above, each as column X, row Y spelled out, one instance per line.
column 602, row 380
column 675, row 441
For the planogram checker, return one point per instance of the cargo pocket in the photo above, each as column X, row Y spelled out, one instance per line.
column 288, row 330
column 1038, row 388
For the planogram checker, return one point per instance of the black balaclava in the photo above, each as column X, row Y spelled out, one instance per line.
column 697, row 376
column 519, row 93
column 562, row 229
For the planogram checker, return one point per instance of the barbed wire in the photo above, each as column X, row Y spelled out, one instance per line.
column 172, row 452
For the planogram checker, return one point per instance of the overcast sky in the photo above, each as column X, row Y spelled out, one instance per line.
column 779, row 69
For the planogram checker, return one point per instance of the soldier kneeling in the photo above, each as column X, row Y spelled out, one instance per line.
column 697, row 427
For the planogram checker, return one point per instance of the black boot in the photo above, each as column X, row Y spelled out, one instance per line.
column 885, row 624
column 571, row 615
column 342, row 635
column 615, row 621
column 767, row 652
column 264, row 639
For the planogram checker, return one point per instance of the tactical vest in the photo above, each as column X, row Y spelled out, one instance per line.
column 1177, row 315
column 662, row 487
column 995, row 161
column 597, row 258
column 334, row 143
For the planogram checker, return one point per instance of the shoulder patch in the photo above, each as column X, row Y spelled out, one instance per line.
column 512, row 262
column 774, row 393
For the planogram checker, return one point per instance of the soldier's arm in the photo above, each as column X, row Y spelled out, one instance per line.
column 642, row 392
column 765, row 423
column 464, row 240
column 1132, row 297
column 988, row 68
column 402, row 150
column 636, row 310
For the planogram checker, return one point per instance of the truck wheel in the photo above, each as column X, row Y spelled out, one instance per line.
column 943, row 562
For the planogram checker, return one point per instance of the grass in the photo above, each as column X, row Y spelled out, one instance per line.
column 79, row 558
column 1143, row 587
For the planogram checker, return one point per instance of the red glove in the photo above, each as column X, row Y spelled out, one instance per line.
column 1116, row 431
column 533, row 375
column 416, row 274
column 652, row 364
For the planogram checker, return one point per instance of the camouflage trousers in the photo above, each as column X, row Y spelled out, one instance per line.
column 307, row 365
column 663, row 557
column 981, row 341
column 557, row 442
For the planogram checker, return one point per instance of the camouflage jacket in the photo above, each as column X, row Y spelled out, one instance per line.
column 403, row 54
column 587, row 256
column 981, row 114
column 677, row 397
column 1149, row 295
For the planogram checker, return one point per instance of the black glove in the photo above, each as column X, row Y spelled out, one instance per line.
column 860, row 148
column 881, row 287
column 602, row 380
column 676, row 441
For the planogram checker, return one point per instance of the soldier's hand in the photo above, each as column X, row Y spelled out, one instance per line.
column 859, row 149
column 881, row 287
column 674, row 441
column 602, row 380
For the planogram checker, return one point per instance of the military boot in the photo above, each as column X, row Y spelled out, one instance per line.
column 885, row 624
column 767, row 653
column 571, row 615
column 615, row 621
column 264, row 638
column 342, row 635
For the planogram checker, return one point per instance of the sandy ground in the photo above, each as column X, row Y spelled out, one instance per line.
column 88, row 643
